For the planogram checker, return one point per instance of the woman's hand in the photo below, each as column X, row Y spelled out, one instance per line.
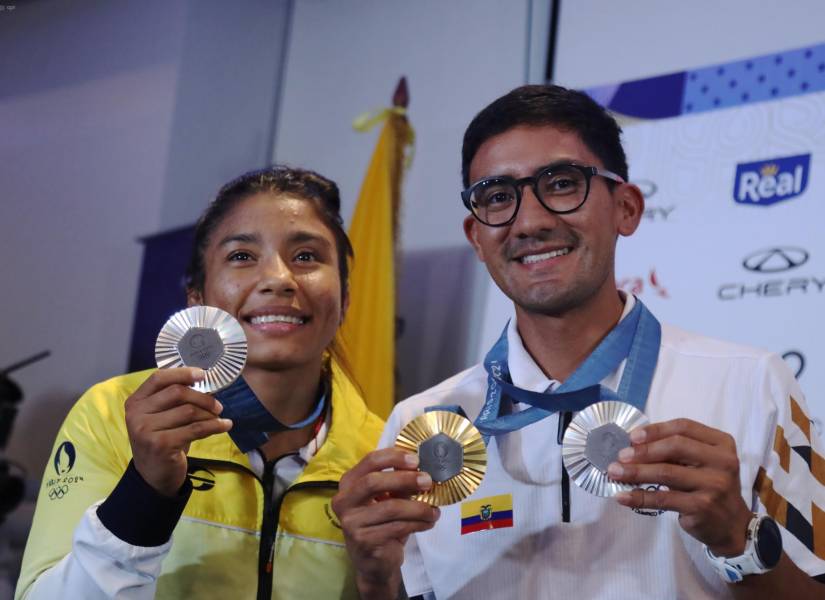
column 164, row 416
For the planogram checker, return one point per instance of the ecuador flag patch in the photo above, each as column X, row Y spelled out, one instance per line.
column 492, row 512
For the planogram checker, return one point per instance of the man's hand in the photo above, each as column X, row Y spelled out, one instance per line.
column 377, row 517
column 163, row 416
column 700, row 467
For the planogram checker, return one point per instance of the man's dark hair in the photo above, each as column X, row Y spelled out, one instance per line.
column 537, row 105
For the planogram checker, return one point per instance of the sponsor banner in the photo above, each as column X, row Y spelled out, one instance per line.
column 731, row 242
column 738, row 83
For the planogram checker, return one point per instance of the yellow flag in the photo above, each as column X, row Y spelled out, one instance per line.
column 368, row 332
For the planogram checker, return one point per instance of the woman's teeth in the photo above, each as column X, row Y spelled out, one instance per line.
column 276, row 319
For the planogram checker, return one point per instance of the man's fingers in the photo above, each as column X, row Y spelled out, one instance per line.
column 679, row 449
column 681, row 502
column 676, row 477
column 684, row 427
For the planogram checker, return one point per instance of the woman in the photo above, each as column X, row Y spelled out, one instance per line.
column 246, row 516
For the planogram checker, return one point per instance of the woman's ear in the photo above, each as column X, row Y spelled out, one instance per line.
column 193, row 297
column 344, row 307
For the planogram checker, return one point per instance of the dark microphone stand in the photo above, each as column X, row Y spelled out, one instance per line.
column 12, row 475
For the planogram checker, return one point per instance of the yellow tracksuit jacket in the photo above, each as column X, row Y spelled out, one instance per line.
column 217, row 542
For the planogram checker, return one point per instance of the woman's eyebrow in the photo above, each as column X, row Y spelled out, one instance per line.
column 299, row 237
column 248, row 238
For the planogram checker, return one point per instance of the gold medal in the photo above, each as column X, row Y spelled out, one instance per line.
column 205, row 337
column 451, row 450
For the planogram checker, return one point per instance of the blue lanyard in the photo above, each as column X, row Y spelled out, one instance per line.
column 636, row 338
column 251, row 421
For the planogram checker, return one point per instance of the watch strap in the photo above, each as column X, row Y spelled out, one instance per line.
column 733, row 569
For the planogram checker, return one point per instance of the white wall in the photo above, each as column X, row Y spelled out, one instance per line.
column 346, row 57
column 118, row 120
column 86, row 113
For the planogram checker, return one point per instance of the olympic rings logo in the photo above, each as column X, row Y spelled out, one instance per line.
column 58, row 492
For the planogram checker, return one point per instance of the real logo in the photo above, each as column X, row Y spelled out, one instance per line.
column 767, row 182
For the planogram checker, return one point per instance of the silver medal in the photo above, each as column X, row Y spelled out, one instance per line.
column 205, row 337
column 593, row 441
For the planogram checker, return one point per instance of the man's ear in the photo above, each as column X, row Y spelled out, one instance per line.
column 471, row 227
column 193, row 297
column 630, row 206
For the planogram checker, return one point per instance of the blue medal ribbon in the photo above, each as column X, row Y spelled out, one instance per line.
column 636, row 338
column 251, row 421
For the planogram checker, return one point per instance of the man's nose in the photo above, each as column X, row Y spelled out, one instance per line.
column 532, row 216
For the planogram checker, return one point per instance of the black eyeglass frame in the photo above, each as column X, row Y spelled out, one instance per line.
column 588, row 171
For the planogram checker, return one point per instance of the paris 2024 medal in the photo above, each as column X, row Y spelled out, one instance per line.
column 205, row 337
column 593, row 441
column 451, row 450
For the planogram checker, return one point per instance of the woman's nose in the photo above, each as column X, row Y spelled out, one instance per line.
column 276, row 276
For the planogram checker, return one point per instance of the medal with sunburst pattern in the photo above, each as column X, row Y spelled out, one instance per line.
column 593, row 441
column 204, row 337
column 451, row 450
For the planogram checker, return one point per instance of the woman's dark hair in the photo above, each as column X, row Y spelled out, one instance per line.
column 277, row 179
column 537, row 105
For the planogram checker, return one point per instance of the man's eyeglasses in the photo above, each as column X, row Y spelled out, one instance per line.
column 561, row 189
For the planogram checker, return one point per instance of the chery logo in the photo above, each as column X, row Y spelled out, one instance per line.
column 768, row 262
column 775, row 260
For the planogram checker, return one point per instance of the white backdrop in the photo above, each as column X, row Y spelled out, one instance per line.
column 753, row 270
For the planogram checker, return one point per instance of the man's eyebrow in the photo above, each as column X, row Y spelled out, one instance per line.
column 248, row 238
column 556, row 163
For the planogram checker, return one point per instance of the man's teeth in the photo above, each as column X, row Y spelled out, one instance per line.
column 276, row 319
column 534, row 258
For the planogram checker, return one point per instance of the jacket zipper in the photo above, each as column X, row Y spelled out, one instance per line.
column 269, row 526
column 271, row 514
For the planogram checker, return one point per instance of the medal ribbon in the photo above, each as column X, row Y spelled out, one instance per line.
column 251, row 421
column 636, row 338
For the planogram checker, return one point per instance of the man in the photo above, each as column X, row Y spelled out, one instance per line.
column 546, row 183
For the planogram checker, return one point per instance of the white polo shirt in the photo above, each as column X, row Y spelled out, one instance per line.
column 607, row 551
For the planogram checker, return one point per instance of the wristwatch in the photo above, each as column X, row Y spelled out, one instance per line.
column 763, row 549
